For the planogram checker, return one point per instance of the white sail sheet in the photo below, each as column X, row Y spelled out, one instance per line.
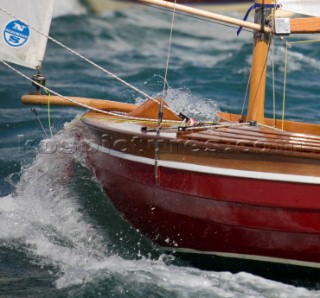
column 306, row 7
column 19, row 42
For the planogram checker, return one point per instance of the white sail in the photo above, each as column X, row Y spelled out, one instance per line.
column 306, row 7
column 19, row 42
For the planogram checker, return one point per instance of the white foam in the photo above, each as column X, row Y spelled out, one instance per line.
column 43, row 217
column 43, row 213
column 183, row 101
column 135, row 276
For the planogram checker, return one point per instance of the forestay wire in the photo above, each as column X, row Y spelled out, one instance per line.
column 167, row 67
column 169, row 50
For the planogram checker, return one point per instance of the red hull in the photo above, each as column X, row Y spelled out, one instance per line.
column 215, row 214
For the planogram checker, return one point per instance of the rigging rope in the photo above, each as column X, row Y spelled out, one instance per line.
column 34, row 111
column 167, row 67
column 273, row 85
column 169, row 49
column 284, row 87
column 77, row 103
column 246, row 93
column 160, row 116
column 273, row 74
column 49, row 115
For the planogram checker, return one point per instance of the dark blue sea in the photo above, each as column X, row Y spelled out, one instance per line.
column 59, row 234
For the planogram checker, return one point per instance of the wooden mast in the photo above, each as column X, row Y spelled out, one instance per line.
column 259, row 67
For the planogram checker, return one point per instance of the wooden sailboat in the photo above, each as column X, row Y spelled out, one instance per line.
column 246, row 188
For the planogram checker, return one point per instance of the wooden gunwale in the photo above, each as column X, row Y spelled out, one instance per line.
column 252, row 147
column 237, row 137
column 274, row 132
column 286, row 126
column 256, row 135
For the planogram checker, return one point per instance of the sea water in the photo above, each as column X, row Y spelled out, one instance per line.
column 59, row 234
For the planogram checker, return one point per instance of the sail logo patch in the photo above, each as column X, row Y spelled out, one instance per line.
column 16, row 33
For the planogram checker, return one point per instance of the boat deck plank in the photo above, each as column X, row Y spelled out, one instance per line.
column 258, row 137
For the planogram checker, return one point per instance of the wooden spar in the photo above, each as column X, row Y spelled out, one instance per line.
column 207, row 14
column 258, row 74
column 94, row 103
column 298, row 25
column 149, row 109
column 305, row 25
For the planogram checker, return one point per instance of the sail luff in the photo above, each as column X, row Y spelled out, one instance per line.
column 45, row 28
column 24, row 27
column 306, row 7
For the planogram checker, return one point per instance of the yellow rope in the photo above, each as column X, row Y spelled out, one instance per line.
column 49, row 113
column 128, row 120
column 273, row 70
column 273, row 85
column 304, row 41
column 284, row 86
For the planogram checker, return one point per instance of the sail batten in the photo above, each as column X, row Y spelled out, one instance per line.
column 24, row 25
column 306, row 7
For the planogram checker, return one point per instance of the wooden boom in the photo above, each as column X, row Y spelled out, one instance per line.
column 305, row 25
column 91, row 102
column 207, row 14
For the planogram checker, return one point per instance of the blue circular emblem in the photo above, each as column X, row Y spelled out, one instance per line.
column 16, row 33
